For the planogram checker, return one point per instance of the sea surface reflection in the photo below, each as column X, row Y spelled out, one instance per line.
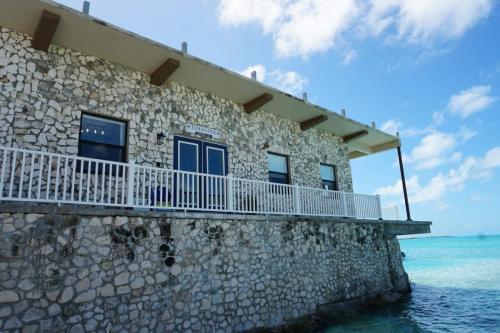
column 456, row 288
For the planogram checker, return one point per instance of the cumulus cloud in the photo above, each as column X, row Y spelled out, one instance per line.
column 441, row 185
column 437, row 148
column 470, row 101
column 425, row 21
column 304, row 27
column 287, row 81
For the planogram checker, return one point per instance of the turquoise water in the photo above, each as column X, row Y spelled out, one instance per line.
column 456, row 288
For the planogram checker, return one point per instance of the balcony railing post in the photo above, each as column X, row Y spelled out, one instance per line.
column 130, row 183
column 297, row 199
column 230, row 193
column 379, row 207
column 344, row 203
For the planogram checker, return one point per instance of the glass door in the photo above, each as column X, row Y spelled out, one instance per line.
column 193, row 188
column 215, row 163
column 188, row 158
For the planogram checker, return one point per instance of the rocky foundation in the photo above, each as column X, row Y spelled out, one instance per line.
column 150, row 272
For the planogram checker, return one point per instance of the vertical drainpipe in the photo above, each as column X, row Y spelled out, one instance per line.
column 403, row 181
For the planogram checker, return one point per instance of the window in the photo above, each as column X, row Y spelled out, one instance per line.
column 278, row 168
column 102, row 138
column 328, row 177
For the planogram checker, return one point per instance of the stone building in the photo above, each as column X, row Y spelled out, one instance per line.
column 95, row 116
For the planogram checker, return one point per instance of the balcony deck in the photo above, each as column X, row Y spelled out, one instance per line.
column 28, row 176
column 391, row 227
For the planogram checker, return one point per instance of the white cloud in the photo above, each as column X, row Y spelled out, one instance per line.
column 238, row 12
column 470, row 101
column 397, row 188
column 313, row 26
column 290, row 82
column 349, row 56
column 492, row 158
column 441, row 185
column 437, row 148
column 391, row 126
column 423, row 22
column 259, row 69
column 432, row 151
column 287, row 81
column 304, row 27
column 437, row 118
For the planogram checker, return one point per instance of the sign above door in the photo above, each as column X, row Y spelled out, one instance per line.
column 197, row 129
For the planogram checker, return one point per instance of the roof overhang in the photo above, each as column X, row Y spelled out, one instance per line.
column 90, row 35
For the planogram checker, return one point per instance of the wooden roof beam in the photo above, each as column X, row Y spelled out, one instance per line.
column 354, row 136
column 310, row 123
column 162, row 73
column 45, row 31
column 257, row 102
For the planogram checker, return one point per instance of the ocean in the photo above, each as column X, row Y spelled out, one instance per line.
column 456, row 288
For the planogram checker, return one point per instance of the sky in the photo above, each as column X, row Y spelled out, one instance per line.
column 427, row 69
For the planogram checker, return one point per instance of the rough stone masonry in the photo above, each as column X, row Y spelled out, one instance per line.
column 150, row 272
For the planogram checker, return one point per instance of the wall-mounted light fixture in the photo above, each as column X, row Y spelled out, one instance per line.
column 160, row 138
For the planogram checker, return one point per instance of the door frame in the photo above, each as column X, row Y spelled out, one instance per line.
column 202, row 164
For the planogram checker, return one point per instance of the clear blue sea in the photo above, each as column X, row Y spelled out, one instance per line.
column 456, row 288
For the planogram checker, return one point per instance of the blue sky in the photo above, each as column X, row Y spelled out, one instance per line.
column 428, row 69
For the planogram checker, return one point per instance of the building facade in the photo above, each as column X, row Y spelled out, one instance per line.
column 45, row 97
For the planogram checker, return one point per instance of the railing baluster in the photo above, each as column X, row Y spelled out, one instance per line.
column 65, row 179
column 124, row 188
column 49, row 176
column 73, row 176
column 89, row 168
column 110, row 169
column 40, row 171
column 58, row 166
column 30, row 182
column 21, row 176
column 2, row 175
column 192, row 188
column 103, row 183
column 148, row 195
column 203, row 193
column 143, row 186
column 12, row 173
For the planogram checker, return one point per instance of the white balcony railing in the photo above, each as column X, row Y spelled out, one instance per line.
column 36, row 176
column 390, row 213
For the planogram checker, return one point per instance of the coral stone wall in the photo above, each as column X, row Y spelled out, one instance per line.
column 42, row 97
column 101, row 272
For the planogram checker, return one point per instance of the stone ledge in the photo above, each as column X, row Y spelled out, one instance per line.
column 391, row 227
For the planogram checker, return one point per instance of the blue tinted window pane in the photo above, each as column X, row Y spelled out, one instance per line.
column 327, row 172
column 277, row 163
column 101, row 152
column 188, row 157
column 327, row 185
column 215, row 161
column 102, row 130
column 278, row 178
